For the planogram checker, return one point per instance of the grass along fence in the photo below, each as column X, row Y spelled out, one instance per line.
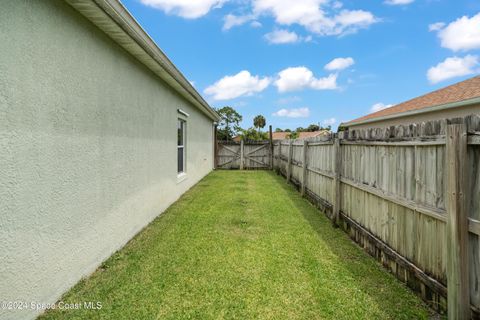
column 410, row 195
column 241, row 245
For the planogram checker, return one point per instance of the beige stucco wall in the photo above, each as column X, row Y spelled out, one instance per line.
column 436, row 115
column 87, row 149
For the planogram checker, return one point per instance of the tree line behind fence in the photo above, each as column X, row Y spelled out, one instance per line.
column 410, row 195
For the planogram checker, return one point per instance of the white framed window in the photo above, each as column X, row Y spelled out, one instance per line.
column 181, row 146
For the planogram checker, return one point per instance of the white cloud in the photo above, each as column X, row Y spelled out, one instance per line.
column 255, row 24
column 461, row 34
column 337, row 5
column 282, row 36
column 312, row 14
column 325, row 83
column 288, row 12
column 185, row 8
column 436, row 26
column 340, row 64
column 288, row 100
column 453, row 67
column 349, row 21
column 398, row 2
column 322, row 17
column 243, row 83
column 298, row 78
column 230, row 21
column 293, row 113
column 329, row 122
column 379, row 106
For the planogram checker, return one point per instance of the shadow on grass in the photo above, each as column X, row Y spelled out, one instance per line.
column 367, row 274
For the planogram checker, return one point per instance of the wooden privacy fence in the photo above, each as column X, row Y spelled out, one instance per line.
column 244, row 155
column 410, row 195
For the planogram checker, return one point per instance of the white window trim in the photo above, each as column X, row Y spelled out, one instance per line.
column 183, row 113
column 181, row 176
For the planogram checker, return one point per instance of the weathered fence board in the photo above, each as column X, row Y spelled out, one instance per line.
column 457, row 223
column 474, row 213
column 243, row 155
column 390, row 188
column 228, row 155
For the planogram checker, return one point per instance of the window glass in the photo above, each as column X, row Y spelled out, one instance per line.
column 180, row 133
column 180, row 160
column 181, row 146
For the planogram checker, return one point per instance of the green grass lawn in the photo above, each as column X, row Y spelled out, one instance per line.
column 242, row 245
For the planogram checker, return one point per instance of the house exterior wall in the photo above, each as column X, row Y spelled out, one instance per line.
column 434, row 115
column 88, row 149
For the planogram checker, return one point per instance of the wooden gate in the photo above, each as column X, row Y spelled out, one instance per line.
column 240, row 155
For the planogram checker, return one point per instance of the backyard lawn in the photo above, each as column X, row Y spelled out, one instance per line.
column 242, row 245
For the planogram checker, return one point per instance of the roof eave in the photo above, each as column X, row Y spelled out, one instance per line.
column 115, row 20
column 414, row 112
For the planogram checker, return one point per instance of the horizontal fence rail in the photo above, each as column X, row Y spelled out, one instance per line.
column 410, row 195
column 249, row 154
column 243, row 155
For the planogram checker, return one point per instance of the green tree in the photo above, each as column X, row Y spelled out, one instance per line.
column 229, row 123
column 300, row 129
column 293, row 135
column 313, row 127
column 259, row 122
column 251, row 134
column 278, row 130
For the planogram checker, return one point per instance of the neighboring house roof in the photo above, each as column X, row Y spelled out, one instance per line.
column 280, row 135
column 114, row 19
column 284, row 135
column 460, row 94
column 275, row 136
column 301, row 135
column 304, row 135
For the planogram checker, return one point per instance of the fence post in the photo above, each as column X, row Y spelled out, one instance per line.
column 304, row 167
column 270, row 136
column 241, row 155
column 289, row 161
column 279, row 161
column 336, row 180
column 458, row 291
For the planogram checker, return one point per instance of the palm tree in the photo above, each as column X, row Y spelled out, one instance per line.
column 259, row 122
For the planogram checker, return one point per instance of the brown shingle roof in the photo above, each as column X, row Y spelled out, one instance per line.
column 301, row 135
column 283, row 135
column 279, row 135
column 460, row 91
column 304, row 135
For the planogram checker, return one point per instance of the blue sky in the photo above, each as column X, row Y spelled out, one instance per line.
column 314, row 61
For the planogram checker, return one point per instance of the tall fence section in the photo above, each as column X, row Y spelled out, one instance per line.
column 240, row 155
column 410, row 195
